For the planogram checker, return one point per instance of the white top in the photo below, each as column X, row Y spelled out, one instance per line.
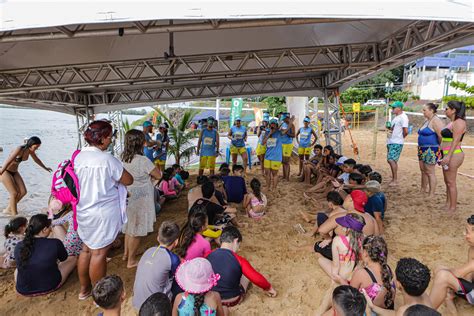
column 98, row 212
column 396, row 135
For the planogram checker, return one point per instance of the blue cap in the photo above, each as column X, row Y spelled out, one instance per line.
column 307, row 120
column 147, row 124
column 273, row 121
column 238, row 118
column 397, row 104
column 210, row 118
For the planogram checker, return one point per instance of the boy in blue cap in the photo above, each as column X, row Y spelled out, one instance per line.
column 304, row 142
column 273, row 154
column 397, row 131
column 238, row 137
column 208, row 147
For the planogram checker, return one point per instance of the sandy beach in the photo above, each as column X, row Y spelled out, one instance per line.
column 416, row 226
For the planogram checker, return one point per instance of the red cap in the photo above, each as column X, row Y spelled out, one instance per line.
column 360, row 199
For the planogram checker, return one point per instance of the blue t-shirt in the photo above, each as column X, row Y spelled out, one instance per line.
column 160, row 152
column 235, row 188
column 179, row 178
column 274, row 150
column 148, row 151
column 305, row 136
column 208, row 142
column 285, row 138
column 375, row 204
column 238, row 136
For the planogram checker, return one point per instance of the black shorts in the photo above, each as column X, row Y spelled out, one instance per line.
column 467, row 290
column 326, row 252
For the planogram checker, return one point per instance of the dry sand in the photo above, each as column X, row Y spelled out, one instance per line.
column 415, row 226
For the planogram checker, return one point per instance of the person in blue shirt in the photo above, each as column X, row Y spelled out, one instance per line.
column 273, row 155
column 161, row 152
column 304, row 142
column 150, row 143
column 376, row 202
column 263, row 130
column 238, row 137
column 287, row 129
column 208, row 147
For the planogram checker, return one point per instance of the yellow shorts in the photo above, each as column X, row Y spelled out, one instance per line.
column 159, row 162
column 287, row 149
column 304, row 151
column 270, row 164
column 207, row 162
column 261, row 149
column 238, row 150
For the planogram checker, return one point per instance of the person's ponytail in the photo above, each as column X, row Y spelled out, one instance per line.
column 37, row 223
column 14, row 225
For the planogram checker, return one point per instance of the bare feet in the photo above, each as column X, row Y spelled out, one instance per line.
column 132, row 265
column 83, row 295
column 393, row 184
column 305, row 217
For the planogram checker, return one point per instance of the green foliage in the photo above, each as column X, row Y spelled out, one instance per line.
column 357, row 95
column 462, row 86
column 126, row 126
column 275, row 105
column 394, row 75
column 468, row 100
column 399, row 95
column 181, row 145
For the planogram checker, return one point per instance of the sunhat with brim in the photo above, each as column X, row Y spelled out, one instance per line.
column 341, row 161
column 359, row 198
column 307, row 120
column 397, row 104
column 147, row 124
column 372, row 186
column 196, row 276
column 350, row 222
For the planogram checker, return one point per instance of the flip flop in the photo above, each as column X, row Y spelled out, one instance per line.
column 299, row 228
column 83, row 297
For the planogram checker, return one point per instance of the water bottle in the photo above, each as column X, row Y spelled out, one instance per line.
column 388, row 124
column 445, row 167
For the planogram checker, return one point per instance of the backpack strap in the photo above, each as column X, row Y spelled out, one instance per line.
column 74, row 155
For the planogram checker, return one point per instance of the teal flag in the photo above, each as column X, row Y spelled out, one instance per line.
column 236, row 109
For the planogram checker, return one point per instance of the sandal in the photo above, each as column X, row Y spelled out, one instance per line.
column 83, row 297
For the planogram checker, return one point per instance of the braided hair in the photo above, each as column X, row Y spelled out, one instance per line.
column 198, row 301
column 377, row 251
column 255, row 185
column 196, row 220
column 37, row 223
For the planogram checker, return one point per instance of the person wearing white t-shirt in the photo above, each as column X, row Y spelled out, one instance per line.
column 397, row 131
column 99, row 216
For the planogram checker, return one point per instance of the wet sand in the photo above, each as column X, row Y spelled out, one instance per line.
column 416, row 226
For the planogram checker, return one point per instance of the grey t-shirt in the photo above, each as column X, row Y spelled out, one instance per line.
column 155, row 273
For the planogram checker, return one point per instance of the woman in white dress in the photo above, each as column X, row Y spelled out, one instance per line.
column 141, row 205
column 99, row 214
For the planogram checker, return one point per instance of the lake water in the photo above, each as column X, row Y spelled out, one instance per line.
column 58, row 133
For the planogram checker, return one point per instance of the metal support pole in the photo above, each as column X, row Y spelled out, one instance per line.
column 332, row 123
column 218, row 107
column 376, row 130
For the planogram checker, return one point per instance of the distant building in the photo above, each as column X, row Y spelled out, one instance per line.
column 429, row 77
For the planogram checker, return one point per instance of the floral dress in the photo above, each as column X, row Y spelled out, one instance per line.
column 72, row 242
column 9, row 256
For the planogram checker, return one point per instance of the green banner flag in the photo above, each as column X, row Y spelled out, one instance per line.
column 236, row 109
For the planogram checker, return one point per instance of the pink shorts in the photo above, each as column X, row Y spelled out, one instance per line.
column 252, row 214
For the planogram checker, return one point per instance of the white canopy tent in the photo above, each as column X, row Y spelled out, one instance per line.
column 84, row 57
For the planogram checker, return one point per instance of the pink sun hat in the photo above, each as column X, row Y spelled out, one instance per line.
column 196, row 276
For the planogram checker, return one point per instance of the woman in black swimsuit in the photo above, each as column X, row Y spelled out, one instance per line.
column 10, row 176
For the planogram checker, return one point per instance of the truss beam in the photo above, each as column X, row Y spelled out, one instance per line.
column 189, row 68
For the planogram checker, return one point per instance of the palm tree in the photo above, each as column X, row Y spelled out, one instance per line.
column 126, row 126
column 181, row 145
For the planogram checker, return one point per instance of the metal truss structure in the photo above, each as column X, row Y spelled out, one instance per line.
column 332, row 122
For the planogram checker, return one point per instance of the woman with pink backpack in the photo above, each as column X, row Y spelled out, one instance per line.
column 99, row 217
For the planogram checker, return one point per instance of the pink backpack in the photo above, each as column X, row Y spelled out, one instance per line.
column 65, row 186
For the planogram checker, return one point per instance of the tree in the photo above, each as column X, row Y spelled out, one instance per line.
column 357, row 95
column 468, row 100
column 275, row 105
column 181, row 145
column 399, row 95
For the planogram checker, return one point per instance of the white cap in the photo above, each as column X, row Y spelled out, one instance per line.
column 341, row 161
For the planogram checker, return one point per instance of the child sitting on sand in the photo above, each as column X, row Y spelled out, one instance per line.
column 412, row 279
column 219, row 192
column 178, row 175
column 157, row 304
column 166, row 187
column 255, row 202
column 69, row 236
column 191, row 244
column 310, row 167
column 197, row 279
column 14, row 233
column 157, row 266
column 459, row 280
column 346, row 301
column 235, row 187
column 195, row 193
column 109, row 295
column 347, row 248
column 174, row 183
column 376, row 203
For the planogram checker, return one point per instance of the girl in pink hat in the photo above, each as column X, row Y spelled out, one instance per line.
column 197, row 278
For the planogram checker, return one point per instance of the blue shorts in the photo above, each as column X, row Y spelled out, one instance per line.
column 394, row 151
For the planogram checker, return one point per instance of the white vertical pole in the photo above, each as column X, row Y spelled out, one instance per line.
column 218, row 105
